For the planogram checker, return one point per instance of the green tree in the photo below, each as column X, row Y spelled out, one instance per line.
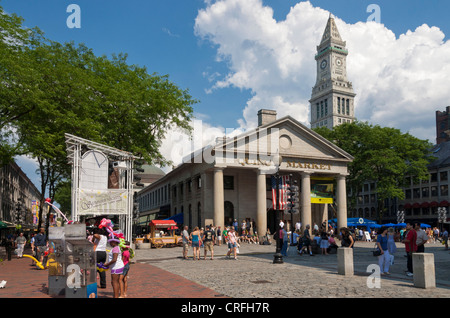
column 49, row 89
column 15, row 41
column 136, row 109
column 382, row 155
column 61, row 103
column 63, row 195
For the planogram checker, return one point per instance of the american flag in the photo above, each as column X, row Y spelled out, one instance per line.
column 282, row 188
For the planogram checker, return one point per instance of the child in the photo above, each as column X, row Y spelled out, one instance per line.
column 124, row 276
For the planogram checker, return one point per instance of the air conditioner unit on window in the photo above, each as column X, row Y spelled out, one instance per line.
column 120, row 164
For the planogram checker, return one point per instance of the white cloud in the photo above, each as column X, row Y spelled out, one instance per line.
column 400, row 82
column 178, row 145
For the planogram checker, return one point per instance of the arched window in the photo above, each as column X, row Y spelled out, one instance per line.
column 360, row 213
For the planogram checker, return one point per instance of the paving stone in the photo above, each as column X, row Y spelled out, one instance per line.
column 162, row 273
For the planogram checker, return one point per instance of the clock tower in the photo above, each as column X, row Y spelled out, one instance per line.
column 332, row 99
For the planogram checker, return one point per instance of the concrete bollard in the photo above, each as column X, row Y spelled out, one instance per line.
column 345, row 261
column 424, row 272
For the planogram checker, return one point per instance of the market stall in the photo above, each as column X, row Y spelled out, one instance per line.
column 162, row 234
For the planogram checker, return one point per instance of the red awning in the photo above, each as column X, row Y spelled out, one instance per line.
column 434, row 204
column 162, row 223
column 425, row 205
column 407, row 206
column 416, row 205
column 443, row 203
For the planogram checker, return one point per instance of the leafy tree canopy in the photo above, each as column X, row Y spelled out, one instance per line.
column 48, row 89
column 382, row 155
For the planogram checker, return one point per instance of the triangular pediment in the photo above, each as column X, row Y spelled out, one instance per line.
column 286, row 137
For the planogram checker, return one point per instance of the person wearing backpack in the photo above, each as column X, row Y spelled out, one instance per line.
column 208, row 239
column 347, row 238
column 306, row 240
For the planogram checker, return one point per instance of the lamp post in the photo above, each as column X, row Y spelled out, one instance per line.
column 293, row 203
column 400, row 216
column 19, row 214
column 441, row 216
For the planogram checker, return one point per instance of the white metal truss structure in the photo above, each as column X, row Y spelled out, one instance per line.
column 75, row 146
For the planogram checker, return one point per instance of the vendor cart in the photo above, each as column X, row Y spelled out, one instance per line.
column 162, row 234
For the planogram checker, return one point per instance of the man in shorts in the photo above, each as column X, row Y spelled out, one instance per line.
column 208, row 241
column 185, row 236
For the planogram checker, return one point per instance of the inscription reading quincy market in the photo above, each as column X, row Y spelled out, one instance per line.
column 290, row 164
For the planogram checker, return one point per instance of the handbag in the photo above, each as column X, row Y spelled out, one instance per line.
column 376, row 251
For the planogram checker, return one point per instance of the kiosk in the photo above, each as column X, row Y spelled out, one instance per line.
column 80, row 263
column 157, row 240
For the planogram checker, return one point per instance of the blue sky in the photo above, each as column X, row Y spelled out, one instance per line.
column 171, row 37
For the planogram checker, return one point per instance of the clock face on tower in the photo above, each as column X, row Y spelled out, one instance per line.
column 338, row 62
column 323, row 64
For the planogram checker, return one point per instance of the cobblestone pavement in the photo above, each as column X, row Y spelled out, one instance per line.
column 162, row 273
column 254, row 275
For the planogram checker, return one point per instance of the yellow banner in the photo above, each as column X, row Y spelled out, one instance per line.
column 322, row 200
column 322, row 190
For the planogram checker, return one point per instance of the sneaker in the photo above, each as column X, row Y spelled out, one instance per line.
column 409, row 274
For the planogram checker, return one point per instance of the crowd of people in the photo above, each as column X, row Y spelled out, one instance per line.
column 314, row 240
column 310, row 241
column 16, row 243
column 206, row 238
column 322, row 240
column 413, row 237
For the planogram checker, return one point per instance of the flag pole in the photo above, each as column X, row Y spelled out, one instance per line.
column 277, row 257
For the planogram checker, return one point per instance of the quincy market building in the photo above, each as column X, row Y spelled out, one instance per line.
column 232, row 178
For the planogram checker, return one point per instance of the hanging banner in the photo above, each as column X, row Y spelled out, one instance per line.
column 35, row 211
column 102, row 201
column 322, row 190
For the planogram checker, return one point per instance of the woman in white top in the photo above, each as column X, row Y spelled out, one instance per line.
column 232, row 243
column 115, row 260
column 100, row 251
